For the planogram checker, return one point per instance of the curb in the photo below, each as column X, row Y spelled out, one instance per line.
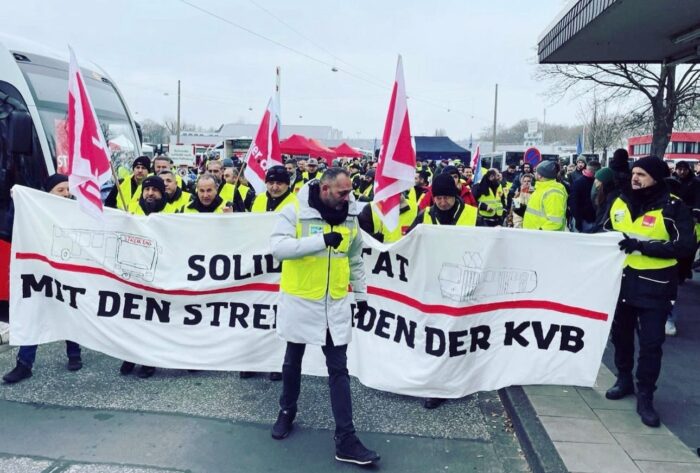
column 538, row 448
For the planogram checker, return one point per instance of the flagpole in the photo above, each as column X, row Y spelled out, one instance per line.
column 119, row 188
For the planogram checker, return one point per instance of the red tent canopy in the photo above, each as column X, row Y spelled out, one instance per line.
column 346, row 150
column 328, row 153
column 300, row 145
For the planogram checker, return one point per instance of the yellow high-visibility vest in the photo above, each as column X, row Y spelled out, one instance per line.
column 649, row 226
column 406, row 218
column 546, row 209
column 493, row 200
column 466, row 219
column 324, row 272
column 260, row 202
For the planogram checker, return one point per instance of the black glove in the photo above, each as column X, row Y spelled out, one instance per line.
column 362, row 308
column 332, row 239
column 379, row 236
column 629, row 245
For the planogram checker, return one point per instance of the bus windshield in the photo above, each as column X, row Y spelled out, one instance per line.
column 49, row 86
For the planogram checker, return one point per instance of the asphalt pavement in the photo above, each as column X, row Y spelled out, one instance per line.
column 96, row 420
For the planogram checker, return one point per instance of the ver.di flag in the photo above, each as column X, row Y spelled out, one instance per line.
column 397, row 159
column 88, row 154
column 264, row 151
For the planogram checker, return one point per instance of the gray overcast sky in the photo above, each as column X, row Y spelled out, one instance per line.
column 453, row 52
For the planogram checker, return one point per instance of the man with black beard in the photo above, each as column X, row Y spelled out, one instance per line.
column 658, row 231
column 152, row 198
column 318, row 242
column 152, row 201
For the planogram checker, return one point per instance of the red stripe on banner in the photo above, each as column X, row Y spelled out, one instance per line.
column 77, row 268
column 376, row 291
column 489, row 307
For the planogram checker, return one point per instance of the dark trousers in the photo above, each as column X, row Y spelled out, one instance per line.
column 649, row 324
column 338, row 382
column 27, row 353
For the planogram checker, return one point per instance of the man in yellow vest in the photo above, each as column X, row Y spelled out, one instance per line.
column 206, row 198
column 175, row 197
column 239, row 194
column 152, row 198
column 546, row 209
column 321, row 253
column 278, row 194
column 371, row 223
column 447, row 209
column 130, row 186
column 658, row 231
column 490, row 199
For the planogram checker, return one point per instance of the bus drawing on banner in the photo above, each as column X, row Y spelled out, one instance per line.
column 33, row 115
column 684, row 146
column 469, row 282
column 126, row 255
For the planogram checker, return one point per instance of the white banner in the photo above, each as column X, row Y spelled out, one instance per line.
column 452, row 310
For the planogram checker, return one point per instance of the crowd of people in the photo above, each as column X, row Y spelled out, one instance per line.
column 323, row 206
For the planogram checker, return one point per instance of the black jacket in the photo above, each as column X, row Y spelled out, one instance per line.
column 655, row 288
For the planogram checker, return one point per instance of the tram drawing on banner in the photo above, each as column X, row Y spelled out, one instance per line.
column 124, row 254
column 470, row 281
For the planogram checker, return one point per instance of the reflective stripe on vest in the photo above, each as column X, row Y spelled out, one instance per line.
column 493, row 201
column 649, row 226
column 406, row 218
column 260, row 202
column 466, row 219
column 324, row 272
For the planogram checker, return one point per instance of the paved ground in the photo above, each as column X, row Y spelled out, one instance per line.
column 95, row 420
column 594, row 435
column 678, row 395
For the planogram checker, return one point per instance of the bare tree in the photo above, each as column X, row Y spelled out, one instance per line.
column 603, row 128
column 658, row 97
column 440, row 132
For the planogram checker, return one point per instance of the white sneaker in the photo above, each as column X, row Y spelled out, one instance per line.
column 671, row 330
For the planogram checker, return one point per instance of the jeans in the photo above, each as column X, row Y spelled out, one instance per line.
column 649, row 325
column 27, row 353
column 338, row 382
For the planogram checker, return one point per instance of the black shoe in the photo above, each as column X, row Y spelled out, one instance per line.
column 146, row 371
column 624, row 386
column 645, row 409
column 19, row 373
column 284, row 425
column 127, row 367
column 351, row 450
column 432, row 402
column 246, row 374
column 74, row 363
column 275, row 376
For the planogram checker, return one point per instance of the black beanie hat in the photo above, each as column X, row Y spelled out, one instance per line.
column 654, row 166
column 277, row 174
column 444, row 185
column 154, row 181
column 683, row 165
column 54, row 180
column 142, row 161
column 620, row 161
column 450, row 170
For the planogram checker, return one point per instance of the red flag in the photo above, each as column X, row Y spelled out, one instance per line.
column 264, row 151
column 397, row 159
column 88, row 155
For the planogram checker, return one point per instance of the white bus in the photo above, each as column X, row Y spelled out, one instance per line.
column 33, row 114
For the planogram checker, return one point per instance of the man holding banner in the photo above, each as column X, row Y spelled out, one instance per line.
column 319, row 244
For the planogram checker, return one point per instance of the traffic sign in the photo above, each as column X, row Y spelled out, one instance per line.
column 532, row 157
